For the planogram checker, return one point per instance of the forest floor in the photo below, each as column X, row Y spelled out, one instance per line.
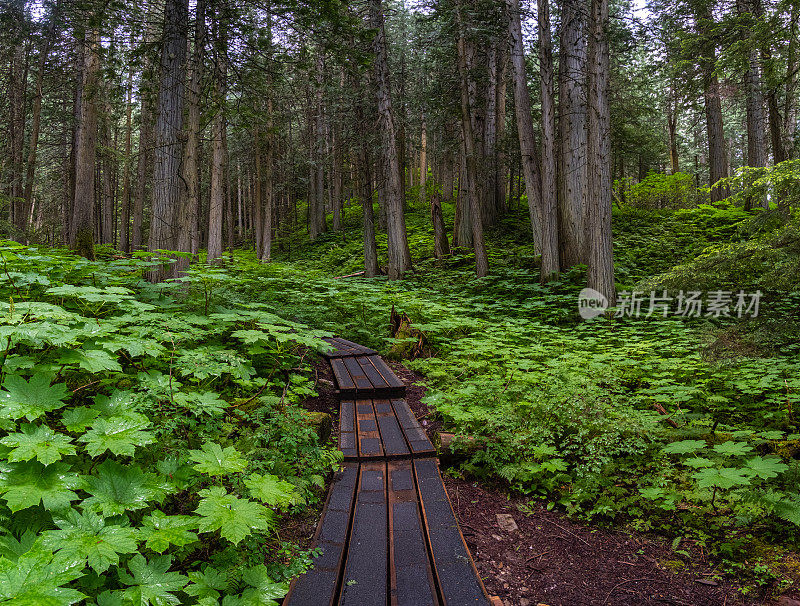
column 549, row 559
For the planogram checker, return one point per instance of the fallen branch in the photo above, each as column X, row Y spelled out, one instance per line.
column 663, row 411
column 358, row 273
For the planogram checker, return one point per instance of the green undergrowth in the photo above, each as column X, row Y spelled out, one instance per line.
column 567, row 411
column 150, row 437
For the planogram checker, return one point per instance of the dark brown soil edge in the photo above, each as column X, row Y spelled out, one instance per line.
column 550, row 559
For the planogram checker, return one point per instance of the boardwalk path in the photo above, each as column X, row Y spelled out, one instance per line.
column 388, row 534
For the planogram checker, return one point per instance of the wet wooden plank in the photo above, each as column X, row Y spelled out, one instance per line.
column 369, row 437
column 410, row 575
column 377, row 380
column 347, row 430
column 391, row 379
column 343, row 379
column 322, row 584
column 356, row 348
column 394, row 443
column 365, row 579
column 355, row 370
column 454, row 569
column 415, row 435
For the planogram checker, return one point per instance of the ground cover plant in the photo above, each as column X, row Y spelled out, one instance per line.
column 149, row 438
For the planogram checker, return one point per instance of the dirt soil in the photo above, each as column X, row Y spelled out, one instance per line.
column 549, row 560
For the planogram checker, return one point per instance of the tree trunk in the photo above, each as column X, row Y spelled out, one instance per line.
column 266, row 214
column 527, row 142
column 549, row 204
column 672, row 130
column 37, row 109
column 82, row 225
column 169, row 122
column 473, row 206
column 16, row 131
column 399, row 253
column 600, row 275
column 125, row 211
column 146, row 130
column 216, row 203
column 572, row 131
column 188, row 215
column 423, row 162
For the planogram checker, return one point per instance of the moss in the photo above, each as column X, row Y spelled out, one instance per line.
column 675, row 566
column 84, row 243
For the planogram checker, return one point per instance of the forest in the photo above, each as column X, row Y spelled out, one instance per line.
column 572, row 228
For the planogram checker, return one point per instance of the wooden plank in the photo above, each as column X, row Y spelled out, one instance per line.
column 391, row 379
column 343, row 379
column 321, row 585
column 347, row 430
column 377, row 380
column 356, row 348
column 394, row 443
column 454, row 570
column 355, row 370
column 365, row 580
column 339, row 350
column 410, row 575
column 417, row 439
column 369, row 438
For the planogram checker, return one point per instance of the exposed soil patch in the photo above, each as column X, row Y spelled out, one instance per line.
column 552, row 560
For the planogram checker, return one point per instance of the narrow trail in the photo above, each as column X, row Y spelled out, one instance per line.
column 388, row 534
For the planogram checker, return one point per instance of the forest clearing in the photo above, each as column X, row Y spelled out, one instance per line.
column 399, row 302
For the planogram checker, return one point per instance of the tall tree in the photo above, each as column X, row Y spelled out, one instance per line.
column 169, row 123
column 473, row 206
column 549, row 203
column 600, row 255
column 525, row 132
column 572, row 132
column 81, row 228
column 399, row 253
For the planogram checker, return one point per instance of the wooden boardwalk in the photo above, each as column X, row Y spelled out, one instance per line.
column 388, row 534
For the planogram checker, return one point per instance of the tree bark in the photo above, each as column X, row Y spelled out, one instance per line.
column 216, row 203
column 146, row 130
column 169, row 123
column 717, row 158
column 473, row 205
column 572, row 131
column 423, row 162
column 37, row 110
column 125, row 211
column 82, row 225
column 549, row 204
column 399, row 253
column 525, row 132
column 600, row 274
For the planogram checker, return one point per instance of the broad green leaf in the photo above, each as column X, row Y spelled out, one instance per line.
column 119, row 488
column 86, row 536
column 30, row 483
column 725, row 478
column 39, row 442
column 263, row 591
column 160, row 530
column 733, row 448
column 767, row 467
column 79, row 418
column 216, row 461
column 198, row 403
column 208, row 583
column 150, row 583
column 235, row 518
column 684, row 446
column 699, row 462
column 121, row 435
column 38, row 577
column 271, row 490
column 91, row 360
column 30, row 399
